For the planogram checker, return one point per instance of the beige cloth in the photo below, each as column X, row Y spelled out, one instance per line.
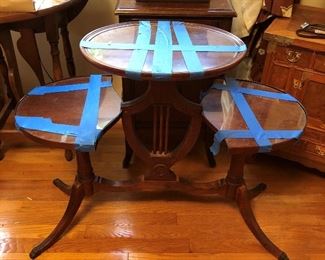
column 17, row 6
column 247, row 13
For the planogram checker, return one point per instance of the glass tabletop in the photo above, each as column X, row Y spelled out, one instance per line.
column 162, row 50
column 272, row 114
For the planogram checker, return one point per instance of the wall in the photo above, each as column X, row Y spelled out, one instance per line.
column 316, row 3
column 97, row 13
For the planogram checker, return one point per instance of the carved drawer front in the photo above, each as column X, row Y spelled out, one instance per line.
column 319, row 64
column 314, row 135
column 293, row 55
column 317, row 151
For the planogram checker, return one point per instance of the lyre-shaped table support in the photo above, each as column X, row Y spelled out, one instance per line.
column 159, row 158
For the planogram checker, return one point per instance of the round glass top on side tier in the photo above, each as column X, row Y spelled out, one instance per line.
column 162, row 50
column 221, row 113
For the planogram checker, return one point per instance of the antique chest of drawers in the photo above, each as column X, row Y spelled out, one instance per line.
column 297, row 65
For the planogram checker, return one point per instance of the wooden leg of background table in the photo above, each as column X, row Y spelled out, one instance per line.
column 13, row 73
column 52, row 35
column 68, row 50
column 12, row 90
column 28, row 49
column 83, row 186
column 4, row 73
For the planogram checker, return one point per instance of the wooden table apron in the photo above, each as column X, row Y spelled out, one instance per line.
column 162, row 96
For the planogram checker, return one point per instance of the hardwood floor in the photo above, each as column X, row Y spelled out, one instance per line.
column 155, row 226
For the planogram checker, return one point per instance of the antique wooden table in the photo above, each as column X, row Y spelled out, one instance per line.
column 50, row 16
column 177, row 66
column 163, row 53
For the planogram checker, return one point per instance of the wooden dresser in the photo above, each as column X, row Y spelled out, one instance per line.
column 218, row 13
column 297, row 65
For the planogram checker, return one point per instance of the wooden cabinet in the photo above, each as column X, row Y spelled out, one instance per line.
column 297, row 65
column 218, row 13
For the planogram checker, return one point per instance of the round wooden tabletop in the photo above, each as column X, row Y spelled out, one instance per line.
column 42, row 8
column 221, row 113
column 67, row 108
column 163, row 47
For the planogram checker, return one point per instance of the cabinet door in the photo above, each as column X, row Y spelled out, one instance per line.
column 277, row 75
column 313, row 98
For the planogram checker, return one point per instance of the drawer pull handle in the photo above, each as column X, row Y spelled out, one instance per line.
column 320, row 150
column 297, row 84
column 293, row 56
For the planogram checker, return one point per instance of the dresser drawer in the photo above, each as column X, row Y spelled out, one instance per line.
column 314, row 135
column 311, row 148
column 307, row 153
column 319, row 64
column 293, row 55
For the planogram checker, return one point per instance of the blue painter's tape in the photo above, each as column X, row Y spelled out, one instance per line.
column 283, row 134
column 152, row 47
column 223, row 134
column 191, row 58
column 162, row 62
column 45, row 125
column 86, row 132
column 255, row 130
column 250, row 119
column 235, row 87
column 163, row 49
column 37, row 91
column 139, row 55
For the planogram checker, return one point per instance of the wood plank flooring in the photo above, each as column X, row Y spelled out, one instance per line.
column 155, row 226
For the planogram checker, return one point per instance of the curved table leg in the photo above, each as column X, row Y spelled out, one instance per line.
column 77, row 195
column 65, row 188
column 252, row 193
column 83, row 186
column 243, row 201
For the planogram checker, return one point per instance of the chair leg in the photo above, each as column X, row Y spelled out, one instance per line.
column 76, row 197
column 243, row 201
